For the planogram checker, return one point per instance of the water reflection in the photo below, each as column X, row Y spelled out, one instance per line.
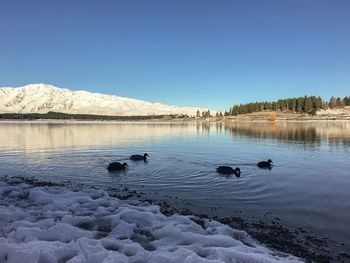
column 311, row 134
column 43, row 135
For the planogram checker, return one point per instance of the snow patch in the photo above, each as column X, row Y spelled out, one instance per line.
column 55, row 224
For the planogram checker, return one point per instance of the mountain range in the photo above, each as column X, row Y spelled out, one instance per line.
column 42, row 98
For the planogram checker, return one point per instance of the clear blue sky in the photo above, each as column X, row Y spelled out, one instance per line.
column 205, row 53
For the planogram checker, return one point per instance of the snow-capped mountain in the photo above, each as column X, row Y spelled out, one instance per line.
column 42, row 98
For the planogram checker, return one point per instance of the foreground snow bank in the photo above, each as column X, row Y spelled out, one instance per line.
column 55, row 224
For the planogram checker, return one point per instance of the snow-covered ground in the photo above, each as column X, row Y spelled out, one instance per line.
column 55, row 224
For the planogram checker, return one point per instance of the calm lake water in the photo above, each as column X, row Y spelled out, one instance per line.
column 309, row 185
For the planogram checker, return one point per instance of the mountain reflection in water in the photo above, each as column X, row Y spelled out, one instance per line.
column 41, row 135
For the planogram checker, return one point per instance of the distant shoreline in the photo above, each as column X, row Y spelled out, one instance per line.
column 265, row 116
column 174, row 121
column 85, row 117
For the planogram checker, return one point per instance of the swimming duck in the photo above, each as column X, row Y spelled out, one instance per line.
column 116, row 166
column 265, row 164
column 229, row 170
column 138, row 157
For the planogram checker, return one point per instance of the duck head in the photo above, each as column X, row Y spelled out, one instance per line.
column 125, row 165
column 237, row 172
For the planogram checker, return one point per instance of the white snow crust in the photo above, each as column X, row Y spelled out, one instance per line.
column 42, row 98
column 54, row 224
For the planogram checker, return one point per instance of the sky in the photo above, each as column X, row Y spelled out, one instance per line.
column 184, row 52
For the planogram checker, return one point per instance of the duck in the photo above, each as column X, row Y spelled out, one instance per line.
column 139, row 157
column 229, row 170
column 265, row 164
column 116, row 166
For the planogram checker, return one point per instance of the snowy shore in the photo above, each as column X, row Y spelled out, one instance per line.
column 55, row 224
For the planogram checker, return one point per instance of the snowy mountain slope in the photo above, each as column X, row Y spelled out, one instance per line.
column 42, row 98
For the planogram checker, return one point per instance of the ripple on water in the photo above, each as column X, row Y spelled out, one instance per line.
column 310, row 163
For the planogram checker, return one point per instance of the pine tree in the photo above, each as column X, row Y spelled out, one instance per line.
column 332, row 102
column 308, row 104
column 339, row 103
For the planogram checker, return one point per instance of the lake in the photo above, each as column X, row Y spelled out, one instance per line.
column 308, row 186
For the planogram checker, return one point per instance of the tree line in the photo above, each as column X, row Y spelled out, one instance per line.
column 204, row 114
column 66, row 116
column 306, row 104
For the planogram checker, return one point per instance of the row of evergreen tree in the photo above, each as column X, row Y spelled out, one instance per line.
column 66, row 116
column 204, row 114
column 306, row 104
